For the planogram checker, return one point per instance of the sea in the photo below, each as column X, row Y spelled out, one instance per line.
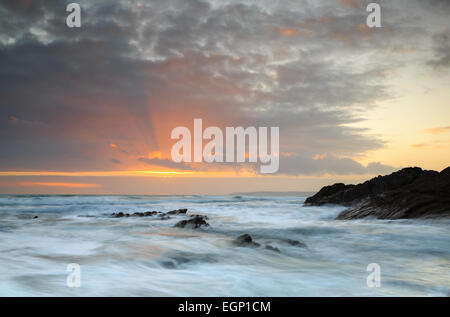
column 70, row 245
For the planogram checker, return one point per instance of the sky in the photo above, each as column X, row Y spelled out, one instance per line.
column 90, row 110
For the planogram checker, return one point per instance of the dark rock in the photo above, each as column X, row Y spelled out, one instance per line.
column 328, row 194
column 175, row 262
column 35, row 217
column 162, row 215
column 194, row 222
column 177, row 212
column 408, row 193
column 151, row 213
column 271, row 248
column 295, row 243
column 136, row 214
column 347, row 194
column 168, row 264
column 120, row 215
column 245, row 240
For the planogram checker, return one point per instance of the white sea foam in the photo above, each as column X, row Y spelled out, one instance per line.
column 149, row 257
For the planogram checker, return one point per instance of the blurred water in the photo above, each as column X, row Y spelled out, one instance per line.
column 149, row 257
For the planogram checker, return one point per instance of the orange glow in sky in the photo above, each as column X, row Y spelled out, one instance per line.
column 64, row 185
column 212, row 174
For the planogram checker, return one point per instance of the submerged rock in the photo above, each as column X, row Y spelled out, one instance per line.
column 272, row 248
column 408, row 193
column 162, row 215
column 146, row 214
column 194, row 222
column 295, row 243
column 177, row 212
column 245, row 240
column 151, row 213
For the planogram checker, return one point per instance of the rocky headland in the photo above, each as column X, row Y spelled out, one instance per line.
column 406, row 194
column 193, row 222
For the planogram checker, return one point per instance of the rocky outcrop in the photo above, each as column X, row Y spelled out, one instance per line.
column 177, row 212
column 195, row 222
column 272, row 248
column 295, row 243
column 408, row 193
column 120, row 215
column 245, row 240
column 161, row 215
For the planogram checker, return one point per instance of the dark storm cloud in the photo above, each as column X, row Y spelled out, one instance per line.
column 311, row 69
column 441, row 50
column 73, row 92
column 438, row 4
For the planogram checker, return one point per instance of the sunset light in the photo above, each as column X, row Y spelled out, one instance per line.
column 226, row 155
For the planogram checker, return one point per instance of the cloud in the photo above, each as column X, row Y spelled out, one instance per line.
column 15, row 120
column 439, row 130
column 329, row 164
column 61, row 185
column 379, row 168
column 419, row 145
column 131, row 74
column 351, row 3
column 441, row 58
column 438, row 4
column 288, row 31
column 165, row 163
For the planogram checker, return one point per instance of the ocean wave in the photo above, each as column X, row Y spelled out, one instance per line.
column 311, row 253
